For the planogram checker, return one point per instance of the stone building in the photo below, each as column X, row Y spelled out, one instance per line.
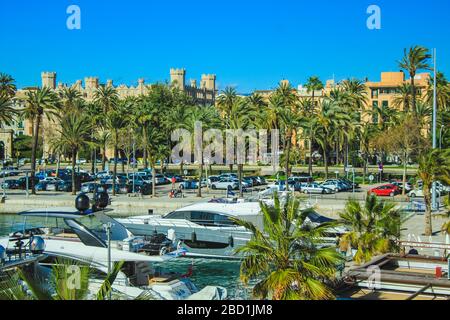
column 204, row 95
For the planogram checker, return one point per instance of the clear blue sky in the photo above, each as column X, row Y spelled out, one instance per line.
column 247, row 43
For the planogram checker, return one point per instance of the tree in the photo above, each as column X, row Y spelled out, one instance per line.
column 57, row 286
column 313, row 84
column 284, row 258
column 402, row 99
column 7, row 86
column 375, row 227
column 414, row 60
column 74, row 134
column 38, row 103
column 116, row 120
column 403, row 140
column 433, row 165
column 7, row 110
column 442, row 92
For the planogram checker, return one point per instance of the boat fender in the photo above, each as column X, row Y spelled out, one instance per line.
column 163, row 251
column 231, row 241
column 193, row 237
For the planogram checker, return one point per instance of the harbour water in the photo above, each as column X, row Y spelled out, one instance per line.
column 223, row 273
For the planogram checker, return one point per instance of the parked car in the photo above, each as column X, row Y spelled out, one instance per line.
column 41, row 186
column 385, row 190
column 11, row 184
column 64, row 186
column 23, row 183
column 81, row 161
column 228, row 176
column 316, row 188
column 89, row 187
column 261, row 180
column 331, row 185
column 418, row 193
column 169, row 177
column 51, row 179
column 399, row 184
column 225, row 183
column 189, row 184
column 303, row 179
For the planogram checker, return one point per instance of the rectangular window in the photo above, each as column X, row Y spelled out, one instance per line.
column 385, row 104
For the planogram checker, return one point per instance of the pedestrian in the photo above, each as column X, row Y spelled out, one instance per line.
column 174, row 180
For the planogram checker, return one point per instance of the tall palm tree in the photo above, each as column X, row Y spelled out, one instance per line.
column 74, row 134
column 226, row 100
column 403, row 99
column 7, row 86
column 433, row 165
column 116, row 120
column 71, row 99
column 313, row 84
column 375, row 227
column 7, row 110
column 415, row 59
column 38, row 103
column 366, row 135
column 284, row 258
column 442, row 92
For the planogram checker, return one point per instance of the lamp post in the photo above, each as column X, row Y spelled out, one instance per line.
column 433, row 191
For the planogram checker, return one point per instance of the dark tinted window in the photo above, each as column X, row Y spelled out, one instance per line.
column 178, row 215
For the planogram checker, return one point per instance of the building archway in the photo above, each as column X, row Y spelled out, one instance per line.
column 6, row 144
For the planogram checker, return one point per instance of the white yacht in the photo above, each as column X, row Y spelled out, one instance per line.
column 81, row 237
column 206, row 229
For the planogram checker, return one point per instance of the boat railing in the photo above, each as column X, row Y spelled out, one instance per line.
column 194, row 224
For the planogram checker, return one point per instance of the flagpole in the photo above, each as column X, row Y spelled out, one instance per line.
column 434, row 204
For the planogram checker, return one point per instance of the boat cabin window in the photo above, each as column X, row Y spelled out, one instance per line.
column 202, row 218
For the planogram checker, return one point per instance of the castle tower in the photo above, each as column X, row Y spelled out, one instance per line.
column 90, row 86
column 208, row 82
column 48, row 80
column 109, row 83
column 193, row 83
column 178, row 78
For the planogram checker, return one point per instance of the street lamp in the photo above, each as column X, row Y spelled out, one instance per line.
column 434, row 202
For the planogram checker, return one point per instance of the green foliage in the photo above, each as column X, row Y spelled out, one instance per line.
column 284, row 258
column 375, row 227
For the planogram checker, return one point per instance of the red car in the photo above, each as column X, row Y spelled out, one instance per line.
column 385, row 190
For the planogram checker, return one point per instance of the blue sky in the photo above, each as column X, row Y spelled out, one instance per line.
column 249, row 44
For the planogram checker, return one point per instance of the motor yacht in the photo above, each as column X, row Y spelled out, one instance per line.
column 81, row 237
column 208, row 229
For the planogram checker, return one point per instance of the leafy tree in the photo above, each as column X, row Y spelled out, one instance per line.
column 434, row 165
column 375, row 227
column 284, row 258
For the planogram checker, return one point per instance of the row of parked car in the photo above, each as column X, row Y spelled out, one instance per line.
column 224, row 181
column 306, row 185
column 395, row 187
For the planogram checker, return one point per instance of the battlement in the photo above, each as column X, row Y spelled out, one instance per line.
column 174, row 71
column 209, row 76
column 48, row 80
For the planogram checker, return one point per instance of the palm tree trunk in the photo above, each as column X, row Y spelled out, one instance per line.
column 153, row 179
column 325, row 158
column 413, row 94
column 288, row 154
column 311, row 138
column 405, row 168
column 115, row 169
column 34, row 152
column 337, row 151
column 144, row 135
column 200, row 176
column 240, row 170
column 74, row 184
column 58, row 164
column 104, row 157
column 181, row 168
column 428, row 222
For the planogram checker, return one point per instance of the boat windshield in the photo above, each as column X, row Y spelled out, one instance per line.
column 203, row 218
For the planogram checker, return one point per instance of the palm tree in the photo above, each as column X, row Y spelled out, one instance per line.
column 226, row 100
column 442, row 92
column 71, row 99
column 57, row 286
column 74, row 134
column 433, row 165
column 7, row 86
column 402, row 99
column 115, row 121
column 106, row 97
column 313, row 84
column 366, row 135
column 284, row 258
column 375, row 227
column 39, row 102
column 414, row 60
column 7, row 110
